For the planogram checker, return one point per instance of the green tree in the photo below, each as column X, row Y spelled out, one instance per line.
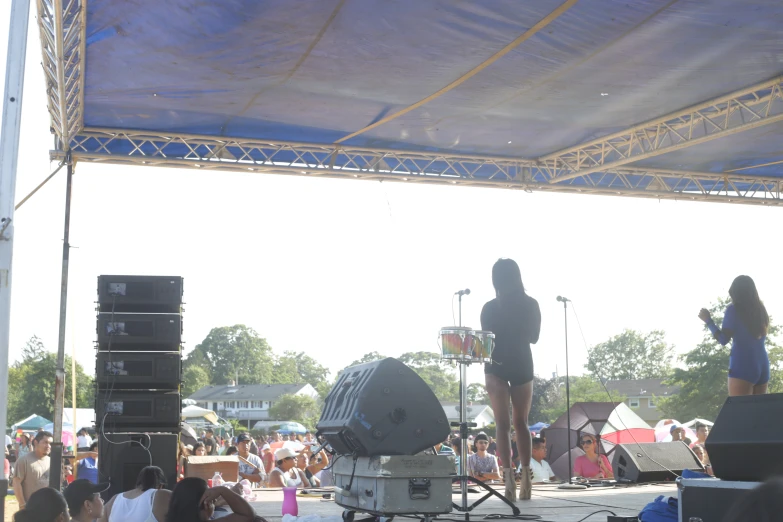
column 703, row 381
column 31, row 383
column 299, row 408
column 368, row 357
column 582, row 389
column 294, row 368
column 234, row 352
column 477, row 393
column 439, row 375
column 193, row 379
column 631, row 355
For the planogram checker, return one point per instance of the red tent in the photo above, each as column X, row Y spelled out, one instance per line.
column 612, row 423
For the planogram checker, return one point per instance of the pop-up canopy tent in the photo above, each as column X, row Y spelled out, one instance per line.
column 31, row 423
column 651, row 98
column 612, row 423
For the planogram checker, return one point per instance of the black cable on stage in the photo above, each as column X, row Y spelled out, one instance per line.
column 595, row 513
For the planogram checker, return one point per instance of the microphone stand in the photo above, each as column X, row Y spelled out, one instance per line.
column 463, row 425
column 570, row 484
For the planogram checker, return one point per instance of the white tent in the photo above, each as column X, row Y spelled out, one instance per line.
column 690, row 424
column 85, row 417
column 194, row 413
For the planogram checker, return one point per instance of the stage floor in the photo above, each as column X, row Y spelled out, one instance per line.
column 550, row 503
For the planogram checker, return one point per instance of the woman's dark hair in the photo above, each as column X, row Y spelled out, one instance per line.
column 185, row 504
column 763, row 504
column 231, row 450
column 750, row 309
column 151, row 477
column 197, row 446
column 44, row 505
column 506, row 277
column 456, row 445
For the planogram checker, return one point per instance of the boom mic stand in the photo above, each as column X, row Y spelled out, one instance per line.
column 570, row 484
column 463, row 425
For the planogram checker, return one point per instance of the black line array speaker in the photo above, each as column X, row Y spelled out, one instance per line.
column 124, row 455
column 382, row 408
column 653, row 461
column 746, row 442
column 138, row 373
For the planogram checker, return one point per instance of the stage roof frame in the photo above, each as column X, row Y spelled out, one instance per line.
column 82, row 94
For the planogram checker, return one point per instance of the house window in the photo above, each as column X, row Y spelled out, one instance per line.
column 633, row 403
column 651, row 402
column 247, row 404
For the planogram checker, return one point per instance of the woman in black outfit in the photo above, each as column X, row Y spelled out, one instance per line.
column 515, row 319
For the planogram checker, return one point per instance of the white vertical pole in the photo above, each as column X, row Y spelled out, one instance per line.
column 9, row 152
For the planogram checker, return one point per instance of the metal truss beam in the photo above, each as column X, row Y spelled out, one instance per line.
column 746, row 109
column 337, row 161
column 62, row 26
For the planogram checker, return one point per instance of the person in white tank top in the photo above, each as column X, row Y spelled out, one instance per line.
column 147, row 502
column 286, row 474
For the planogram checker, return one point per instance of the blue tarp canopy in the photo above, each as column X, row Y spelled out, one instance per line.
column 502, row 80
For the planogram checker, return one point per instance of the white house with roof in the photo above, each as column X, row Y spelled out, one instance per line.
column 247, row 403
column 642, row 396
column 481, row 414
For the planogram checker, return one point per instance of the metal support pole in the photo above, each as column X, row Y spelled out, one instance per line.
column 9, row 153
column 568, row 392
column 55, row 473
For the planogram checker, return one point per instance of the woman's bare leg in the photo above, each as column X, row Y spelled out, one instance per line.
column 739, row 387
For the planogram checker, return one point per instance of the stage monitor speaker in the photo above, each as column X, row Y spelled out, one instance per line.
column 139, row 331
column 746, row 442
column 137, row 410
column 124, row 455
column 135, row 370
column 141, row 294
column 382, row 408
column 653, row 461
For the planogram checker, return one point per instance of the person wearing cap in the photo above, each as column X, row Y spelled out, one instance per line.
column 286, row 474
column 677, row 433
column 250, row 465
column 483, row 465
column 84, row 500
column 267, row 457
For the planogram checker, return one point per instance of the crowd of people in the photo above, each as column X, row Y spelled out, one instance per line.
column 290, row 462
column 149, row 501
column 484, row 463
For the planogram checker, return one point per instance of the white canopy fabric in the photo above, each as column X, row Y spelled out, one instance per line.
column 690, row 424
column 197, row 412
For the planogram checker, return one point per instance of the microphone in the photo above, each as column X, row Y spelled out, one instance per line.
column 463, row 292
column 561, row 299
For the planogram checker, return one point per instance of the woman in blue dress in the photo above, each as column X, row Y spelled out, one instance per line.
column 745, row 323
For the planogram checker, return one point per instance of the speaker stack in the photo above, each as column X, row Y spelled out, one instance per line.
column 138, row 372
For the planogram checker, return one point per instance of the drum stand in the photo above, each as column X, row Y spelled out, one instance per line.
column 463, row 425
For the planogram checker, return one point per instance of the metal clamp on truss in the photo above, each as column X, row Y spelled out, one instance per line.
column 4, row 223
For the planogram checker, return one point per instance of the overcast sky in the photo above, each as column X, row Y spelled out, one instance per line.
column 339, row 268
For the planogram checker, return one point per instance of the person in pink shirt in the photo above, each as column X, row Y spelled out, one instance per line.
column 592, row 465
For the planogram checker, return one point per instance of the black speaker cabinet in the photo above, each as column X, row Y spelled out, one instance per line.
column 653, row 461
column 140, row 294
column 139, row 331
column 746, row 443
column 135, row 370
column 382, row 408
column 137, row 410
column 124, row 455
